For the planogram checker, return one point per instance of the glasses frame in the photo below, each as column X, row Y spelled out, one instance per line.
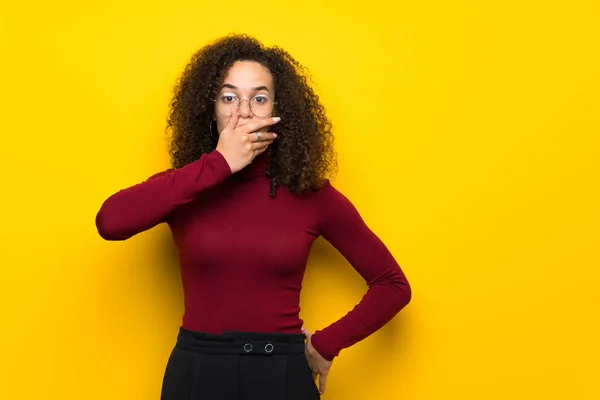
column 239, row 104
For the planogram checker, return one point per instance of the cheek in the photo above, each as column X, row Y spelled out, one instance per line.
column 221, row 122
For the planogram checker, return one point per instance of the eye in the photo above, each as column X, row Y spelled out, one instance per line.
column 228, row 97
column 260, row 99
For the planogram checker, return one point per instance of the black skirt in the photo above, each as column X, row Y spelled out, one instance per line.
column 238, row 366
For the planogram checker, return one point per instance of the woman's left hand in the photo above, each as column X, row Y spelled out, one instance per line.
column 317, row 363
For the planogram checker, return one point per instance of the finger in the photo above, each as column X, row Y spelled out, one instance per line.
column 233, row 119
column 254, row 126
column 315, row 376
column 322, row 383
column 265, row 136
column 261, row 145
column 260, row 151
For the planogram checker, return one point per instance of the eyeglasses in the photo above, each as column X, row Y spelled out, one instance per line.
column 261, row 105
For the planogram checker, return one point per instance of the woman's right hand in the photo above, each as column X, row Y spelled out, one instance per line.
column 239, row 146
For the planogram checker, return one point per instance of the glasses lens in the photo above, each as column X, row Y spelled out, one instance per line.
column 225, row 103
column 260, row 105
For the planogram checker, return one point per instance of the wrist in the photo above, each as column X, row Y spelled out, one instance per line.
column 320, row 347
column 224, row 156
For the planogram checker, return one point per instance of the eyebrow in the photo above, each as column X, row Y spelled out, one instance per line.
column 255, row 89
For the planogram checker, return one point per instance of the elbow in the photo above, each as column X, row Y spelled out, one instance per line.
column 108, row 227
column 396, row 290
column 406, row 295
column 403, row 293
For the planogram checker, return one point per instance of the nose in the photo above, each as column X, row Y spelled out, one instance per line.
column 245, row 109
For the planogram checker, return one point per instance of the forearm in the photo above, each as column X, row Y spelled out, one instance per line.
column 142, row 206
column 383, row 300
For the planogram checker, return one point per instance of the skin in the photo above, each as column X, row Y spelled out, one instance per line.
column 319, row 366
column 238, row 142
column 245, row 79
column 239, row 145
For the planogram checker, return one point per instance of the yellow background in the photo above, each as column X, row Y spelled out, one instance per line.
column 468, row 138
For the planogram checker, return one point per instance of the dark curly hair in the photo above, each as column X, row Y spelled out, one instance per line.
column 303, row 155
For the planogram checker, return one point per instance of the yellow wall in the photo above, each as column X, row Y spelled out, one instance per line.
column 468, row 134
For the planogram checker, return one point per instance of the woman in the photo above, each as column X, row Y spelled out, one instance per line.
column 245, row 199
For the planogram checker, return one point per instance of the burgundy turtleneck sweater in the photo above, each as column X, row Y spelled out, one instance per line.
column 243, row 254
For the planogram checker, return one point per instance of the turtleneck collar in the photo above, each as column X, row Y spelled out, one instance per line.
column 256, row 168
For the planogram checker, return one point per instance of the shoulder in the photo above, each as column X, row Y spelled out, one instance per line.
column 335, row 213
column 329, row 193
column 161, row 173
column 331, row 202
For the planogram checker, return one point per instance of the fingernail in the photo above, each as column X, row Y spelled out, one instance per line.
column 276, row 119
column 275, row 135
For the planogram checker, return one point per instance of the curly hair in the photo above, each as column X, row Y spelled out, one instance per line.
column 301, row 159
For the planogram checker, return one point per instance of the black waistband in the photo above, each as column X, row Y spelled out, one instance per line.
column 240, row 342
